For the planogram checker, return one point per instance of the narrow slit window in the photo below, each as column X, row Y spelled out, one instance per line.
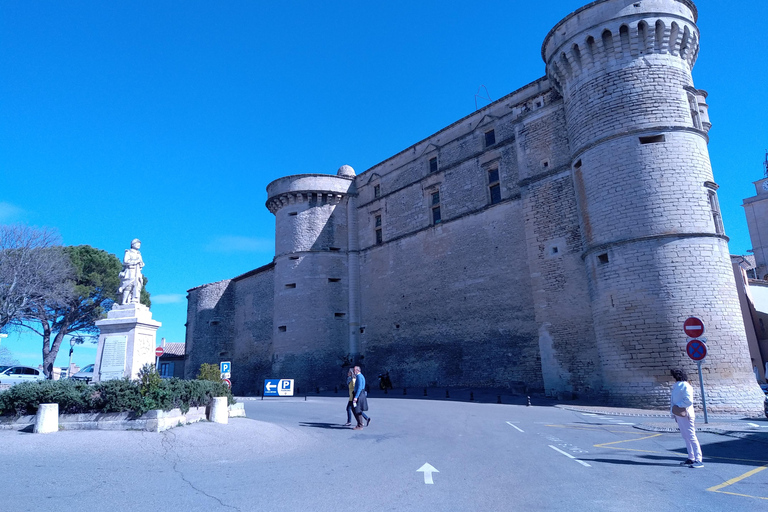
column 290, row 285
column 652, row 139
column 334, row 249
column 433, row 164
column 436, row 215
column 378, row 233
column 334, row 279
column 339, row 315
column 376, row 190
column 494, row 187
column 293, row 214
column 282, row 328
column 717, row 218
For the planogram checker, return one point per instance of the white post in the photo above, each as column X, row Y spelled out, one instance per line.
column 219, row 410
column 47, row 419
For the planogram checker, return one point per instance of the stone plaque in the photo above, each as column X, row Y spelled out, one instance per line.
column 113, row 358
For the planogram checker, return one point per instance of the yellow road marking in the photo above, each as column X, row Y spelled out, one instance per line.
column 598, row 428
column 716, row 488
column 732, row 481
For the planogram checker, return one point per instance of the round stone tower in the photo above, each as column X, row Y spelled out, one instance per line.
column 311, row 299
column 655, row 250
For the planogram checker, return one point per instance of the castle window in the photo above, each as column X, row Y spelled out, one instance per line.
column 652, row 139
column 376, row 190
column 602, row 258
column 714, row 205
column 334, row 249
column 433, row 164
column 293, row 214
column 334, row 279
column 694, row 106
column 282, row 328
column 377, row 221
column 436, row 217
column 291, row 285
column 293, row 257
column 339, row 315
column 493, row 185
column 490, row 138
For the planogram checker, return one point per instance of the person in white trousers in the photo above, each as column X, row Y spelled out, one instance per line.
column 681, row 408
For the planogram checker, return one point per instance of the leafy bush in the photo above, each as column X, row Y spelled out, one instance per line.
column 24, row 398
column 209, row 372
column 120, row 395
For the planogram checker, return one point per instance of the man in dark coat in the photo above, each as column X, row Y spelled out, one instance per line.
column 360, row 400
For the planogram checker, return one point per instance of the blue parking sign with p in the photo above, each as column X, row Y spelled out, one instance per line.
column 226, row 366
column 278, row 387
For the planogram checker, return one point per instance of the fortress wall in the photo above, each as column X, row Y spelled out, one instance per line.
column 643, row 181
column 210, row 333
column 569, row 358
column 657, row 188
column 253, row 312
column 663, row 282
column 451, row 305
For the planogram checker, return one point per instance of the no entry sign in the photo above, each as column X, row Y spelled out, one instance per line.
column 159, row 351
column 693, row 327
column 696, row 350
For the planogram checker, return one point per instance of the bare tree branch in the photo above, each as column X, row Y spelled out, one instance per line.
column 33, row 269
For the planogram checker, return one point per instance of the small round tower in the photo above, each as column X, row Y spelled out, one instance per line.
column 311, row 303
column 655, row 249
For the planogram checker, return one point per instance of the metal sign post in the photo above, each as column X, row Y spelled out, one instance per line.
column 703, row 395
column 697, row 350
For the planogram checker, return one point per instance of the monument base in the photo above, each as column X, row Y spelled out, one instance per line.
column 126, row 342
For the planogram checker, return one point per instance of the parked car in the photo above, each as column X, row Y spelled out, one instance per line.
column 17, row 374
column 85, row 374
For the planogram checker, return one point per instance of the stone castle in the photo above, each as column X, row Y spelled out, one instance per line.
column 552, row 241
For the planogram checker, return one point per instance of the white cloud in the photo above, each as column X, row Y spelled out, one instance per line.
column 167, row 298
column 241, row 244
column 9, row 212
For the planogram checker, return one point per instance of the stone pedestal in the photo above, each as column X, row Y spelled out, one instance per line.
column 126, row 342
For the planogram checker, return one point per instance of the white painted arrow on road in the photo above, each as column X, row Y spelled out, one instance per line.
column 428, row 469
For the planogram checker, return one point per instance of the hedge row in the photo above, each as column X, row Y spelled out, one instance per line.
column 121, row 395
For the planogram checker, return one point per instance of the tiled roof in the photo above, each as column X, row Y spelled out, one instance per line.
column 174, row 349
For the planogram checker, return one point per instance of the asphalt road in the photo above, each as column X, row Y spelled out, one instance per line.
column 295, row 455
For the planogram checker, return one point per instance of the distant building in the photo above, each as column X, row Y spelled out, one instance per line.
column 555, row 240
column 171, row 363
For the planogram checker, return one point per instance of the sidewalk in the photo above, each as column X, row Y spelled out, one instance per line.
column 660, row 421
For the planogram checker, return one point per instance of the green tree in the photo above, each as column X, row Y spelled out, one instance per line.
column 95, row 285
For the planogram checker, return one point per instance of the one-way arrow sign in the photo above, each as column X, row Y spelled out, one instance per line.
column 428, row 469
column 271, row 386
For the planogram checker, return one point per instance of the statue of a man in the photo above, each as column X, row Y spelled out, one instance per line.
column 131, row 279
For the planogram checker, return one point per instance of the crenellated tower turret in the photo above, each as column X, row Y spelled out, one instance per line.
column 656, row 252
column 311, row 295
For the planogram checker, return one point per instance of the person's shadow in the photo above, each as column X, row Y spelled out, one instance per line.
column 332, row 426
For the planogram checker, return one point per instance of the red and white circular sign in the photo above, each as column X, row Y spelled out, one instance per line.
column 228, row 383
column 693, row 327
column 159, row 351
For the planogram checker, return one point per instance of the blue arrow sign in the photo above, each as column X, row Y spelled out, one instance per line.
column 278, row 387
column 271, row 386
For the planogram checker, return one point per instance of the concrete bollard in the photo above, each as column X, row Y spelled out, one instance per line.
column 47, row 419
column 219, row 410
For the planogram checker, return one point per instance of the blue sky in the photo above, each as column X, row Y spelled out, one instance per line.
column 166, row 120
